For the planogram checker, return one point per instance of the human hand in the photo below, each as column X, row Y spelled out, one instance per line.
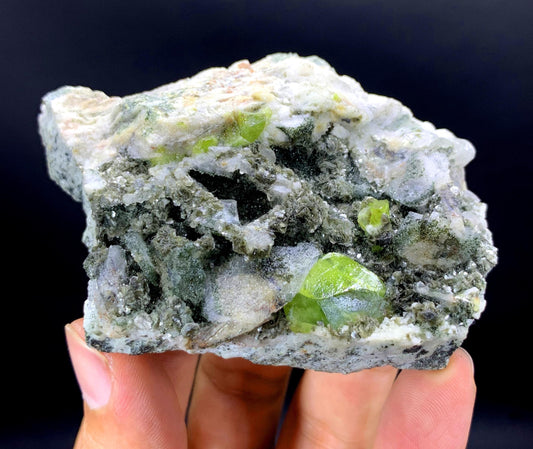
column 141, row 401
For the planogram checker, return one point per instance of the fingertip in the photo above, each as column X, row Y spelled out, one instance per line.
column 460, row 369
column 253, row 393
column 464, row 357
column 459, row 372
column 77, row 327
column 463, row 365
column 431, row 408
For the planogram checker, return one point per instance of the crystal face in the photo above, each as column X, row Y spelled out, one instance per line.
column 273, row 211
column 335, row 274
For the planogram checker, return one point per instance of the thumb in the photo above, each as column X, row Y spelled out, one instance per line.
column 130, row 401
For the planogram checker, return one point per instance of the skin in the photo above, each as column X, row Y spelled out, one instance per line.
column 141, row 401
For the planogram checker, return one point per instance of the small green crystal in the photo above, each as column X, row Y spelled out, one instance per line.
column 247, row 127
column 337, row 291
column 162, row 155
column 373, row 216
column 252, row 124
column 203, row 145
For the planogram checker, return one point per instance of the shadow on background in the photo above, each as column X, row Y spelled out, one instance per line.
column 465, row 66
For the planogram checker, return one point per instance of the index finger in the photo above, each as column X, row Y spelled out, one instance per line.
column 235, row 403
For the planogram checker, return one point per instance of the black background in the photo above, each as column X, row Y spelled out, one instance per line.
column 463, row 65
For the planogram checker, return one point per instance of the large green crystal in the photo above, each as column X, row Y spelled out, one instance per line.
column 337, row 291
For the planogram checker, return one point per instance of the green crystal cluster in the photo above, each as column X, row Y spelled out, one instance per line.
column 243, row 128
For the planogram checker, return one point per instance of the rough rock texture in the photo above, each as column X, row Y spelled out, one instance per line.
column 210, row 200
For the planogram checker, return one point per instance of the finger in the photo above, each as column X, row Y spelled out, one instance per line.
column 336, row 411
column 180, row 368
column 235, row 404
column 430, row 408
column 129, row 401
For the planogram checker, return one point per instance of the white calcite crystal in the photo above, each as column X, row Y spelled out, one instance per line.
column 273, row 211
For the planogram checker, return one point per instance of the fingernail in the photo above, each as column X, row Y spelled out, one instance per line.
column 91, row 369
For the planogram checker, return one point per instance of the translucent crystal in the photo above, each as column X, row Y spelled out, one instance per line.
column 252, row 124
column 247, row 127
column 336, row 273
column 338, row 291
column 373, row 215
column 304, row 313
column 203, row 145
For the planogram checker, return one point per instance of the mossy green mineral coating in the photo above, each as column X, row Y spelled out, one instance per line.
column 273, row 211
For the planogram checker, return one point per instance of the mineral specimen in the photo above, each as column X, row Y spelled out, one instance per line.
column 273, row 211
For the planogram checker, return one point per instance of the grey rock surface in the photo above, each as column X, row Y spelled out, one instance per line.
column 210, row 200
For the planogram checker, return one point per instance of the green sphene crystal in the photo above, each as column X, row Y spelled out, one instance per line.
column 252, row 124
column 162, row 155
column 304, row 314
column 247, row 127
column 203, row 145
column 373, row 216
column 337, row 291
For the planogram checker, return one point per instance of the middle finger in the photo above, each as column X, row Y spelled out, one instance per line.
column 235, row 402
column 338, row 411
